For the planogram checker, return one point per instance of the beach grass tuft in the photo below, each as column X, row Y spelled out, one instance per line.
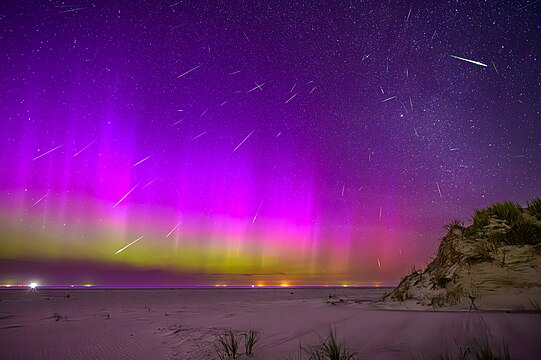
column 479, row 350
column 534, row 207
column 227, row 346
column 329, row 349
column 251, row 337
column 507, row 210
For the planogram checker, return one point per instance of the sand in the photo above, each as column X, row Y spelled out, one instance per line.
column 184, row 324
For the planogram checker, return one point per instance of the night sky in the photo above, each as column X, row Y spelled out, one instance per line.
column 257, row 142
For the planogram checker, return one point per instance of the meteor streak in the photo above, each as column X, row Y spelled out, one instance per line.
column 242, row 142
column 130, row 244
column 189, row 71
column 83, row 149
column 128, row 193
column 139, row 162
column 470, row 61
column 439, row 190
column 257, row 212
column 170, row 232
column 41, row 198
column 495, row 68
column 392, row 97
column 198, row 136
column 291, row 98
column 148, row 183
column 48, row 152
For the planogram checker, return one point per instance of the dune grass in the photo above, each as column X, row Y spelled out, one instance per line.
column 227, row 346
column 478, row 350
column 480, row 218
column 522, row 230
column 507, row 210
column 329, row 349
column 251, row 337
column 534, row 207
column 454, row 225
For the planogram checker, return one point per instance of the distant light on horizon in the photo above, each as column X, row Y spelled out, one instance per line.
column 33, row 285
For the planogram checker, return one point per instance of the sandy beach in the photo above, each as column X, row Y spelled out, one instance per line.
column 185, row 323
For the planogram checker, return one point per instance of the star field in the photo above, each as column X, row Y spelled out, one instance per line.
column 241, row 142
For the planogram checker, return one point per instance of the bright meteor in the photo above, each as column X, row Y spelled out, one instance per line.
column 189, row 71
column 128, row 193
column 130, row 244
column 470, row 61
column 242, row 142
column 47, row 152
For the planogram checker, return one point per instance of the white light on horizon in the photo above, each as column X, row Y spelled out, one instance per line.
column 33, row 285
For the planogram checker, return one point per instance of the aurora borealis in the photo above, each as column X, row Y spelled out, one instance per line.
column 253, row 142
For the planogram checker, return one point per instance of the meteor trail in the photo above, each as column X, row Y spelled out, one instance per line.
column 291, row 98
column 379, row 264
column 392, row 97
column 439, row 190
column 257, row 212
column 257, row 86
column 83, row 149
column 41, row 198
column 170, row 232
column 198, row 136
column 72, row 10
column 409, row 13
column 527, row 5
column 128, row 193
column 470, row 61
column 130, row 244
column 495, row 68
column 242, row 142
column 48, row 152
column 148, row 183
column 189, row 71
column 139, row 162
